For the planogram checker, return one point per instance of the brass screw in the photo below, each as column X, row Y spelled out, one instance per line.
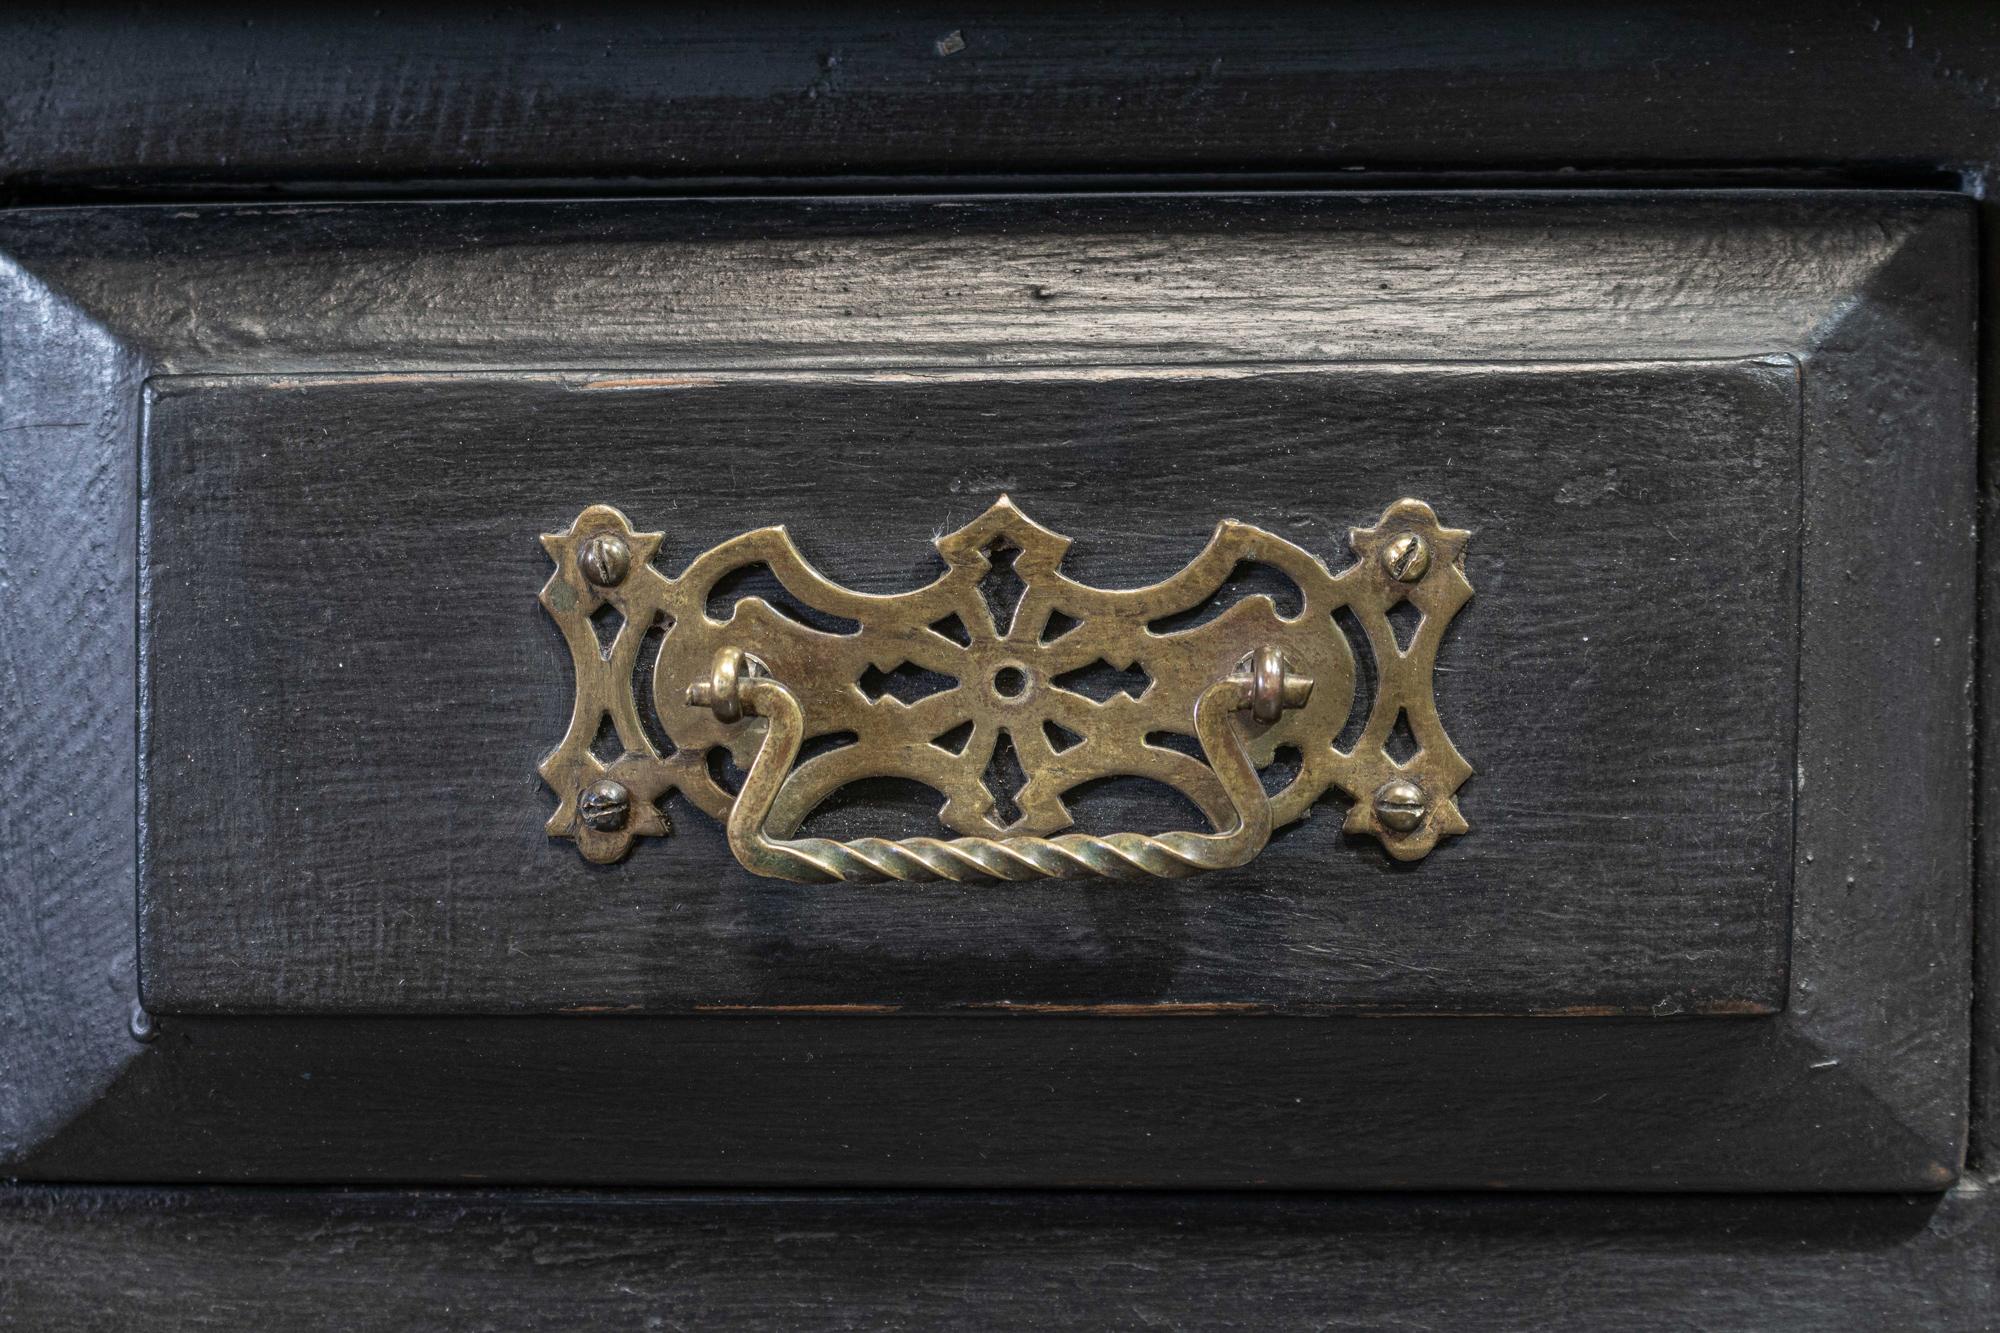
column 1399, row 805
column 1407, row 557
column 605, row 805
column 605, row 559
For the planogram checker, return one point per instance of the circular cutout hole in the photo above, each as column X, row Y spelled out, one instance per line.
column 1008, row 682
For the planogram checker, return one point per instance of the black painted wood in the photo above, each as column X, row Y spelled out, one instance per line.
column 1858, row 1084
column 208, row 1259
column 69, row 418
column 475, row 98
column 204, row 103
column 351, row 682
column 983, row 281
column 1099, row 1102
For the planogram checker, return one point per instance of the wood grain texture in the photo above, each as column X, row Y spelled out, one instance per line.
column 351, row 683
column 1858, row 1085
column 68, row 712
column 1022, row 280
column 203, row 103
column 483, row 97
column 1890, row 398
column 89, row 1259
column 1101, row 1102
column 1985, row 1090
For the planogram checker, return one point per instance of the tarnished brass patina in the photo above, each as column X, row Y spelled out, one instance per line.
column 1245, row 683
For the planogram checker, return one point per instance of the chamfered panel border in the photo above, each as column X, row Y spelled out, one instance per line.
column 1859, row 1085
column 373, row 1261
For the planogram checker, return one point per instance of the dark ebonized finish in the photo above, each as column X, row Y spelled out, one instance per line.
column 1855, row 1084
column 206, row 103
column 87, row 1259
column 206, row 99
column 350, row 682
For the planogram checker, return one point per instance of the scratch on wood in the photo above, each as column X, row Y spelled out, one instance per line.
column 386, row 377
column 654, row 382
column 1154, row 1009
column 1734, row 1008
column 797, row 1008
column 1707, row 1009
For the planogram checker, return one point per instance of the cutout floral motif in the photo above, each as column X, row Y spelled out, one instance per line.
column 1008, row 626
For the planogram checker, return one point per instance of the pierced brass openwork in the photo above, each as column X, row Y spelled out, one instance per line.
column 1003, row 650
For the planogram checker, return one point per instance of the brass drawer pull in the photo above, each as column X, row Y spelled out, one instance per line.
column 738, row 687
column 1003, row 653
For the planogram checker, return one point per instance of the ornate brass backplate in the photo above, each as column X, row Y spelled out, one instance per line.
column 1247, row 684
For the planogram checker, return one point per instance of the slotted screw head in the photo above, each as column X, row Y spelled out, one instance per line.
column 605, row 559
column 1407, row 557
column 605, row 805
column 1399, row 805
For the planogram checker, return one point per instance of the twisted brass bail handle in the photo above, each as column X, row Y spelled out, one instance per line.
column 738, row 686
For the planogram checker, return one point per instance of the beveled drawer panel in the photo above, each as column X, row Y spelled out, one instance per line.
column 352, row 682
column 1705, row 924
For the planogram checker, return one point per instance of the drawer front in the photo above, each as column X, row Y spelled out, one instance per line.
column 353, row 682
column 1713, row 456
